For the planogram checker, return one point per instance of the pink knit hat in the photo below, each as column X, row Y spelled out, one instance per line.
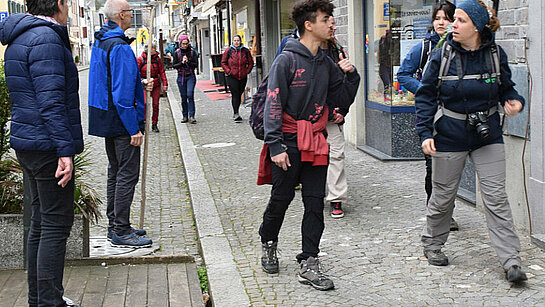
column 182, row 37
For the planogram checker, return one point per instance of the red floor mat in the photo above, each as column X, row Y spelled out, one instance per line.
column 218, row 96
column 208, row 85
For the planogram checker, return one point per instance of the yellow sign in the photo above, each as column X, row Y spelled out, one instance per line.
column 178, row 2
column 142, row 36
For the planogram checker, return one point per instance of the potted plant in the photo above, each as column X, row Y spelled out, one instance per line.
column 76, row 60
column 86, row 201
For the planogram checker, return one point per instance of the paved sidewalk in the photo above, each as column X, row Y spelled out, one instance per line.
column 373, row 254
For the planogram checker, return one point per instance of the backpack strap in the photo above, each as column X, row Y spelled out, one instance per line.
column 495, row 65
column 425, row 53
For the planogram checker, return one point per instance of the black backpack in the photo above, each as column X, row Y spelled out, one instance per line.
column 424, row 57
column 258, row 101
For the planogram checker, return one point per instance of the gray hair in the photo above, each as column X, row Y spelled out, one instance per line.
column 112, row 8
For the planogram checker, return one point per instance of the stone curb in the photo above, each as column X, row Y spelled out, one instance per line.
column 225, row 283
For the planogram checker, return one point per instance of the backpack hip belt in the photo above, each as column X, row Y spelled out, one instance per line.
column 442, row 111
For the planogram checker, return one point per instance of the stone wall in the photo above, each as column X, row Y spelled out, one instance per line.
column 11, row 240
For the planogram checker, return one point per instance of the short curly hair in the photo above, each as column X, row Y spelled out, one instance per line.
column 43, row 7
column 307, row 10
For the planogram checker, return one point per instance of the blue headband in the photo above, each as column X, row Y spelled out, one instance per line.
column 475, row 11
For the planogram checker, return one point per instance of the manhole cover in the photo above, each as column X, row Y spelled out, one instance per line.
column 218, row 145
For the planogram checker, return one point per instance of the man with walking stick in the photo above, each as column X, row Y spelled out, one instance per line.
column 116, row 113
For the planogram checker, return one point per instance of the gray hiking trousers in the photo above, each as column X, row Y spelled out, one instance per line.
column 489, row 163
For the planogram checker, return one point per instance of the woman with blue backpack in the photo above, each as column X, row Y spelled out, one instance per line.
column 237, row 63
column 410, row 72
column 458, row 117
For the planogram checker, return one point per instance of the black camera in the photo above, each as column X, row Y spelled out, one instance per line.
column 478, row 121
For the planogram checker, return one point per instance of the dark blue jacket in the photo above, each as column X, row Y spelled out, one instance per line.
column 43, row 83
column 466, row 96
column 116, row 101
column 411, row 63
column 294, row 34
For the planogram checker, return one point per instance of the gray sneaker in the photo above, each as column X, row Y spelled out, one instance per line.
column 192, row 120
column 310, row 274
column 269, row 259
column 436, row 257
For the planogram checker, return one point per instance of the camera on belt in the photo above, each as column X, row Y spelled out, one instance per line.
column 478, row 121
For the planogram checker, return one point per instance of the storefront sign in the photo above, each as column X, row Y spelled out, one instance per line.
column 386, row 12
column 3, row 15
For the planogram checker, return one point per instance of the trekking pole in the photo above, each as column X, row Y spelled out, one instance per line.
column 148, row 113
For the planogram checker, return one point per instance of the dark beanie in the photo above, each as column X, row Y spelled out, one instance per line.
column 475, row 11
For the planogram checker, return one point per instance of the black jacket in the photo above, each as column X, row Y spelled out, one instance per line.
column 317, row 80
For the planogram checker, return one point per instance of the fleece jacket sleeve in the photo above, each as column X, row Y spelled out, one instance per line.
column 507, row 87
column 426, row 99
column 277, row 96
column 343, row 87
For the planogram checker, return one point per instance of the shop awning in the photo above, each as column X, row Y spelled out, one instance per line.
column 208, row 4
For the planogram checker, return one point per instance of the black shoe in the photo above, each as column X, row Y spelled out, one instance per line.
column 269, row 259
column 185, row 120
column 515, row 274
column 436, row 257
column 237, row 118
column 192, row 120
column 453, row 225
column 140, row 232
column 154, row 128
column 310, row 274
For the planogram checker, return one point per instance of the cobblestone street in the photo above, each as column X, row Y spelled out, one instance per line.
column 374, row 253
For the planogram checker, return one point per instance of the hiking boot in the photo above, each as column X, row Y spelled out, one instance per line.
column 131, row 240
column 269, row 259
column 237, row 118
column 185, row 120
column 139, row 232
column 515, row 274
column 436, row 257
column 154, row 128
column 453, row 225
column 310, row 274
column 336, row 210
column 192, row 120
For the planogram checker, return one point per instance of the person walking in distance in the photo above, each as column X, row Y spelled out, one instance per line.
column 185, row 61
column 237, row 63
column 158, row 75
column 411, row 70
column 46, row 133
column 301, row 80
column 116, row 113
column 457, row 117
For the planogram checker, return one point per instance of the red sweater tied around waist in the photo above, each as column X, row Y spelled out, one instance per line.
column 311, row 142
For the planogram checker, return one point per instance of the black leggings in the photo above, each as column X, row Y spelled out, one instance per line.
column 237, row 88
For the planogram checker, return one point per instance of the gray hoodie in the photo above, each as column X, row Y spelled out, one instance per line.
column 317, row 82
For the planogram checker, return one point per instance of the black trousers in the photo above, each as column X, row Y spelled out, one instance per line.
column 51, row 221
column 123, row 173
column 427, row 185
column 313, row 180
column 237, row 88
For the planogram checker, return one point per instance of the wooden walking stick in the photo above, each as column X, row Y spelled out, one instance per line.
column 148, row 113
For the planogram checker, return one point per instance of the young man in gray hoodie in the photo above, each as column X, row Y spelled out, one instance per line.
column 304, row 86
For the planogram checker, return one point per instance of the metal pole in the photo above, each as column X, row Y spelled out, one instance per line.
column 148, row 113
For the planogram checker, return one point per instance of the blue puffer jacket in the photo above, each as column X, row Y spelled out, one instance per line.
column 466, row 96
column 411, row 63
column 43, row 83
column 119, row 109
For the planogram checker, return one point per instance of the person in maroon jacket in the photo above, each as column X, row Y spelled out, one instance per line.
column 158, row 75
column 237, row 62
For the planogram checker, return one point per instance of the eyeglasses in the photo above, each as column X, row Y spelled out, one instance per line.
column 185, row 44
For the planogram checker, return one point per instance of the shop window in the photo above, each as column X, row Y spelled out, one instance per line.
column 241, row 26
column 392, row 29
column 286, row 24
